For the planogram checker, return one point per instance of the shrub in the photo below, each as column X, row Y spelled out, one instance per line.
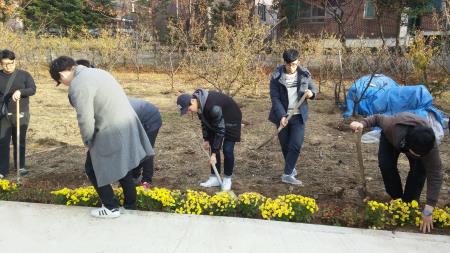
column 7, row 188
column 157, row 199
column 83, row 196
column 222, row 204
column 248, row 204
column 289, row 208
column 194, row 202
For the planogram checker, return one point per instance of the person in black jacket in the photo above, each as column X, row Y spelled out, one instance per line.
column 288, row 84
column 221, row 119
column 21, row 89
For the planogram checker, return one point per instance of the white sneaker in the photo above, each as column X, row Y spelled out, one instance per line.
column 288, row 179
column 294, row 172
column 1, row 176
column 104, row 212
column 226, row 184
column 211, row 182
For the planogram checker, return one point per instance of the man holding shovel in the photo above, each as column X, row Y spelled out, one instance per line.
column 288, row 84
column 221, row 119
column 16, row 86
column 409, row 134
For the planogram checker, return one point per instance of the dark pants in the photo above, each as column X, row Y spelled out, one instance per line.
column 228, row 157
column 147, row 165
column 387, row 161
column 7, row 133
column 291, row 140
column 106, row 192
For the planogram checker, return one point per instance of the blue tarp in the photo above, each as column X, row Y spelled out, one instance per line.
column 385, row 96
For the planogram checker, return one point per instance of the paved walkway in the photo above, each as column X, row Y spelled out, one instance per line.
column 28, row 227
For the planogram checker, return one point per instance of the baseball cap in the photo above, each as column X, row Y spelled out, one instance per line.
column 183, row 102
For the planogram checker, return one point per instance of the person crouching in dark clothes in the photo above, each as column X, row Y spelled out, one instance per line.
column 409, row 134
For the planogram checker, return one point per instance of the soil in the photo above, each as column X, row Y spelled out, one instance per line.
column 327, row 165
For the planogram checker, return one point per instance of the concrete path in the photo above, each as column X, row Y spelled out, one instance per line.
column 27, row 227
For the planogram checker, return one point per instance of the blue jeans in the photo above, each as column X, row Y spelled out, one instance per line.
column 228, row 157
column 291, row 140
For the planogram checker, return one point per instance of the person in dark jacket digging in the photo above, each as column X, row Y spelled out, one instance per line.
column 221, row 119
column 288, row 84
column 409, row 134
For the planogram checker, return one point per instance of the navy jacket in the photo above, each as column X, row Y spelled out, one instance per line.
column 147, row 113
column 279, row 94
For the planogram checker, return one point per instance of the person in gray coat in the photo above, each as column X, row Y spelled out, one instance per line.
column 115, row 140
column 150, row 119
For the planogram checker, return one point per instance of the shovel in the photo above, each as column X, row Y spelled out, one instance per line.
column 290, row 114
column 363, row 191
column 18, row 140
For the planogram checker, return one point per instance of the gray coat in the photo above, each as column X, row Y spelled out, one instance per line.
column 108, row 125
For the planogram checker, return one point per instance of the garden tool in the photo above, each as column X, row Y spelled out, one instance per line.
column 216, row 172
column 363, row 191
column 18, row 116
column 290, row 114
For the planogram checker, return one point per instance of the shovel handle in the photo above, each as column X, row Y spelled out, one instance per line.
column 216, row 172
column 18, row 139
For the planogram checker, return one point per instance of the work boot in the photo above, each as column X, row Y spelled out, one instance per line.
column 211, row 182
column 288, row 179
column 226, row 184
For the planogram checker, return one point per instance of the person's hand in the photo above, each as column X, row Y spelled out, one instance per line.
column 427, row 220
column 205, row 145
column 356, row 126
column 309, row 93
column 16, row 95
column 213, row 159
column 283, row 122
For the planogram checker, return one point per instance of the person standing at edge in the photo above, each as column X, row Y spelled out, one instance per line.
column 221, row 119
column 21, row 88
column 288, row 84
column 110, row 129
column 409, row 134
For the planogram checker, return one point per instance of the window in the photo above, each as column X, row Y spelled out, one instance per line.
column 437, row 5
column 369, row 9
column 309, row 12
column 262, row 11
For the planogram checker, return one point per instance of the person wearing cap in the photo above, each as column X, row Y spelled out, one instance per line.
column 221, row 119
column 115, row 140
column 150, row 119
column 20, row 90
column 288, row 84
column 409, row 134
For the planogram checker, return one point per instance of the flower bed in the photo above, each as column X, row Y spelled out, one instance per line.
column 398, row 214
column 291, row 207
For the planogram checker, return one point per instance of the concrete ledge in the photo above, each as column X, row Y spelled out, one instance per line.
column 30, row 227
